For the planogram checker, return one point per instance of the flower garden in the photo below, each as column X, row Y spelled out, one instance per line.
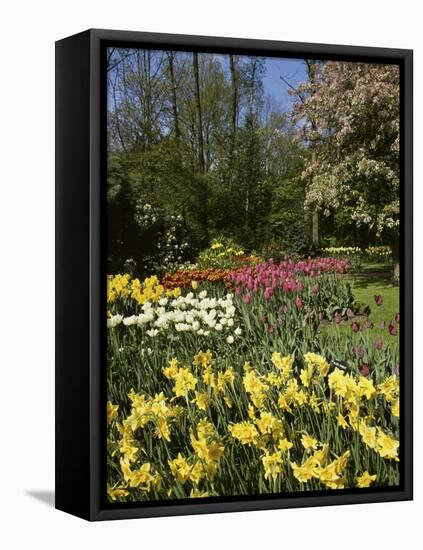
column 247, row 378
column 253, row 248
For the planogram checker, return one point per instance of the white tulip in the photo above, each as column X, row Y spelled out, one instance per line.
column 230, row 339
column 114, row 321
column 128, row 321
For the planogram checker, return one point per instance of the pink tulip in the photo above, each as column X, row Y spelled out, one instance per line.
column 247, row 298
column 359, row 351
column 378, row 299
column 298, row 302
column 365, row 370
column 393, row 328
column 337, row 318
column 378, row 343
column 355, row 327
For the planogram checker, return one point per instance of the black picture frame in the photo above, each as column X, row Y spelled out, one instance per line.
column 80, row 272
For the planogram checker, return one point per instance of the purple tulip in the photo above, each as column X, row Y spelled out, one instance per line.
column 368, row 323
column 378, row 299
column 359, row 351
column 393, row 328
column 378, row 343
column 365, row 370
column 355, row 327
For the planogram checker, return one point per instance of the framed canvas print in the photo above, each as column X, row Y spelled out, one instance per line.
column 234, row 274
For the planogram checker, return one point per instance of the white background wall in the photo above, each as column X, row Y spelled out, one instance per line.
column 28, row 31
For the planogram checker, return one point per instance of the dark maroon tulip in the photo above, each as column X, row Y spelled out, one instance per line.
column 397, row 317
column 338, row 318
column 378, row 343
column 382, row 325
column 365, row 370
column 378, row 299
column 350, row 313
column 368, row 323
column 355, row 327
column 359, row 351
column 393, row 328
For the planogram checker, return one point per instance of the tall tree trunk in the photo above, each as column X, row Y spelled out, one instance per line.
column 234, row 113
column 199, row 115
column 315, row 231
column 170, row 57
column 201, row 160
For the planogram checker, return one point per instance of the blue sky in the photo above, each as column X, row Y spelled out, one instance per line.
column 293, row 70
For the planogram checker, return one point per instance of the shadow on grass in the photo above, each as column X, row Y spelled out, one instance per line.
column 371, row 279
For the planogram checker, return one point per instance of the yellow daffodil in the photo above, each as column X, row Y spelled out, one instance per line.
column 365, row 480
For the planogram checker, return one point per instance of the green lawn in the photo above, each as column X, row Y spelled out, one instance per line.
column 364, row 290
column 365, row 287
